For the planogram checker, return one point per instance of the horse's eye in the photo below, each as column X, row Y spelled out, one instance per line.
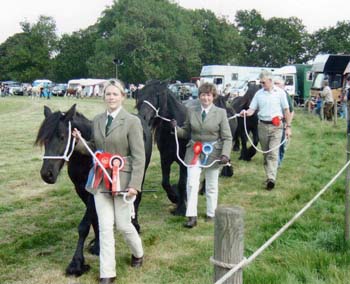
column 61, row 137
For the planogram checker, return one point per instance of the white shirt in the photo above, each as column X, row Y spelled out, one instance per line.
column 114, row 113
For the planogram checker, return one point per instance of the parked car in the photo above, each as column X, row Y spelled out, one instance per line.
column 59, row 90
column 184, row 91
column 15, row 89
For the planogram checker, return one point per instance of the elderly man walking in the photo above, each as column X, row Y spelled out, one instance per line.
column 272, row 106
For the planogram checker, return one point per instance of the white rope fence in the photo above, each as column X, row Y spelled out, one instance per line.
column 245, row 262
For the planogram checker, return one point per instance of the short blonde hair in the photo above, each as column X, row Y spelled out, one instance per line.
column 208, row 88
column 265, row 74
column 116, row 83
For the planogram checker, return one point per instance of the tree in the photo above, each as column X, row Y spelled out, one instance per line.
column 332, row 40
column 73, row 52
column 27, row 56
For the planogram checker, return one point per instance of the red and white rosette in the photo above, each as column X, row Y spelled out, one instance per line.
column 197, row 150
column 116, row 163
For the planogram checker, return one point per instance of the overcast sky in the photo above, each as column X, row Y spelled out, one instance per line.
column 72, row 15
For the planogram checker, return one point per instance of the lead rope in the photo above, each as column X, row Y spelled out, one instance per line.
column 177, row 142
column 251, row 142
column 65, row 155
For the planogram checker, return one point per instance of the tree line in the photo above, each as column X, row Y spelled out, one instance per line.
column 159, row 39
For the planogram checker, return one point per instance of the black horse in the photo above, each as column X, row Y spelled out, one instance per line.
column 158, row 94
column 54, row 136
column 168, row 106
column 238, row 104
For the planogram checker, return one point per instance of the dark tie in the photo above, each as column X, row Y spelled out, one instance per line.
column 109, row 122
column 204, row 114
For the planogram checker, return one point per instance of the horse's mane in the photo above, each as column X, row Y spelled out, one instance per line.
column 50, row 125
column 243, row 102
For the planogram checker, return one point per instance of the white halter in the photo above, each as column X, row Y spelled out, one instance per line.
column 65, row 155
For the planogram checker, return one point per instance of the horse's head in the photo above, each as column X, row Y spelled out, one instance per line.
column 152, row 97
column 54, row 136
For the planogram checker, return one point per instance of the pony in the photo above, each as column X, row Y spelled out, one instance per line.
column 54, row 134
column 238, row 104
column 156, row 99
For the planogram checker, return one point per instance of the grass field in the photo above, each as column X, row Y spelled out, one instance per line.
column 38, row 222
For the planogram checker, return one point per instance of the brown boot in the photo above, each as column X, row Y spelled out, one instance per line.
column 191, row 222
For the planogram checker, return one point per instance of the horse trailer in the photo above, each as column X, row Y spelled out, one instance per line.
column 225, row 75
column 330, row 67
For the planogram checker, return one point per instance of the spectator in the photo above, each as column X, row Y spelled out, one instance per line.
column 327, row 95
column 279, row 82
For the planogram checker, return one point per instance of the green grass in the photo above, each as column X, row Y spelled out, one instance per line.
column 38, row 222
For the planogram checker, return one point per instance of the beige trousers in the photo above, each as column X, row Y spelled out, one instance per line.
column 270, row 137
column 110, row 211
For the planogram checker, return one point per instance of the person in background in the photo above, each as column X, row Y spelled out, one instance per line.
column 279, row 82
column 205, row 123
column 116, row 131
column 344, row 99
column 272, row 105
column 327, row 95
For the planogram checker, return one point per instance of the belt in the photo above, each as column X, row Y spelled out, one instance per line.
column 265, row 121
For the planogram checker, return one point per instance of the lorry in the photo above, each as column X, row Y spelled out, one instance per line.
column 330, row 67
column 298, row 79
column 233, row 75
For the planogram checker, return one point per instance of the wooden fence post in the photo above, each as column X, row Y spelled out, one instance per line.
column 347, row 184
column 228, row 241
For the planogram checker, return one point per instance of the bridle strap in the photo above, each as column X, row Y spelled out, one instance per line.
column 156, row 111
column 66, row 155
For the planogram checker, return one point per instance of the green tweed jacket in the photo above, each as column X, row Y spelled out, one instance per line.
column 214, row 129
column 124, row 137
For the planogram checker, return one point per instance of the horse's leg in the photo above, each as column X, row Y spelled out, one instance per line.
column 135, row 220
column 181, row 203
column 94, row 247
column 166, row 165
column 77, row 265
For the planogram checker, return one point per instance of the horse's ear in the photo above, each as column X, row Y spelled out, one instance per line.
column 70, row 113
column 47, row 111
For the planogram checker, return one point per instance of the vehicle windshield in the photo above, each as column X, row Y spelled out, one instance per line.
column 317, row 84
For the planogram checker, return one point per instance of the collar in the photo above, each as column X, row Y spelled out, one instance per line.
column 206, row 109
column 114, row 113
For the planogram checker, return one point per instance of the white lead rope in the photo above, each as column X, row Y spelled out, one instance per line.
column 177, row 142
column 251, row 142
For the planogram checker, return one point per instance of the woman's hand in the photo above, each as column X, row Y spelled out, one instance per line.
column 173, row 123
column 132, row 192
column 224, row 160
column 76, row 134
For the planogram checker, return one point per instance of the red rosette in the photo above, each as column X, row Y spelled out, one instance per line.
column 276, row 121
column 197, row 150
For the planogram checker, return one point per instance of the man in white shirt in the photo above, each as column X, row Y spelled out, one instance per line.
column 272, row 105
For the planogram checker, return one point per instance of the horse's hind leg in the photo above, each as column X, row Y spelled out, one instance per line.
column 77, row 265
column 166, row 181
column 181, row 190
column 94, row 246
column 135, row 220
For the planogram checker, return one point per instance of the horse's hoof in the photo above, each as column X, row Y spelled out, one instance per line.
column 77, row 269
column 179, row 211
